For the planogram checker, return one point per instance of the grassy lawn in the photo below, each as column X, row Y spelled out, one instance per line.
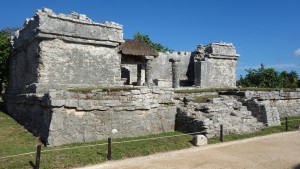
column 14, row 139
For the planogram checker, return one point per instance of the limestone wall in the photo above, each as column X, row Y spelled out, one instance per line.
column 68, row 63
column 162, row 68
column 57, row 51
column 207, row 117
column 216, row 73
column 269, row 106
column 61, row 117
column 24, row 66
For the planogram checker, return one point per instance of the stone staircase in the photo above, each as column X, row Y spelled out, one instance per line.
column 207, row 117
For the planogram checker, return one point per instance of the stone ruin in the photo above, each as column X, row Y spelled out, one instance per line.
column 53, row 53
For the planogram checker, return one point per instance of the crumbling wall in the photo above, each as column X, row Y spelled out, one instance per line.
column 215, row 65
column 207, row 117
column 269, row 106
column 57, row 51
column 61, row 117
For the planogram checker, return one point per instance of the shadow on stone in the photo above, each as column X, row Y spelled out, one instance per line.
column 296, row 166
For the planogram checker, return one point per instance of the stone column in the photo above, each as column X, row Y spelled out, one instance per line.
column 148, row 71
column 140, row 74
column 175, row 72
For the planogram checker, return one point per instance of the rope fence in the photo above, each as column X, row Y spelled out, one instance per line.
column 109, row 144
column 17, row 155
column 94, row 145
column 290, row 120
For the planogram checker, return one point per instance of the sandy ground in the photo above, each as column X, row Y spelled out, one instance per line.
column 278, row 151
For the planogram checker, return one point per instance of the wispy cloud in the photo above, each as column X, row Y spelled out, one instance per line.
column 297, row 53
column 277, row 66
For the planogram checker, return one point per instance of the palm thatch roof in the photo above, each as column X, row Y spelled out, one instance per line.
column 137, row 48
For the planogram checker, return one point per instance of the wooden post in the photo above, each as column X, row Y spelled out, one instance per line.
column 38, row 157
column 286, row 124
column 109, row 149
column 221, row 133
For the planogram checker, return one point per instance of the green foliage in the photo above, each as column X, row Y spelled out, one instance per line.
column 145, row 38
column 268, row 78
column 289, row 80
column 4, row 54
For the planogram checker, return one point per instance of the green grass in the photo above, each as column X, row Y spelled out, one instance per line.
column 231, row 89
column 111, row 89
column 203, row 99
column 14, row 139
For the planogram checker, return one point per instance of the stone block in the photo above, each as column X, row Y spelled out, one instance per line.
column 136, row 92
column 85, row 104
column 71, row 103
column 199, row 140
column 57, row 103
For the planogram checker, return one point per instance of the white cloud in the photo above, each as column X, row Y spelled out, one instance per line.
column 297, row 52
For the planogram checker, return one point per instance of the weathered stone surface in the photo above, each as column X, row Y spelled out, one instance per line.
column 207, row 117
column 54, row 52
column 199, row 140
column 57, row 103
column 65, row 54
column 80, row 117
column 175, row 72
column 71, row 103
column 72, row 27
column 215, row 66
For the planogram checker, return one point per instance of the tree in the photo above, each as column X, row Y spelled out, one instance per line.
column 269, row 78
column 263, row 77
column 4, row 55
column 145, row 38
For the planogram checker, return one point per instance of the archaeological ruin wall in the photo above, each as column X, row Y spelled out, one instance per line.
column 215, row 66
column 269, row 107
column 56, row 51
column 61, row 117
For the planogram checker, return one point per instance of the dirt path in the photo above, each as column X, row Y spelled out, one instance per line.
column 277, row 151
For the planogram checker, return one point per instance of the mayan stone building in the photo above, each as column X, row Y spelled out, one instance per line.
column 60, row 51
column 56, row 52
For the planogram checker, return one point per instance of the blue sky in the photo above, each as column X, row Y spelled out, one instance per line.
column 263, row 31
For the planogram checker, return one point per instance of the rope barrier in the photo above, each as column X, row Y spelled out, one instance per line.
column 155, row 138
column 60, row 149
column 17, row 155
column 69, row 148
column 290, row 120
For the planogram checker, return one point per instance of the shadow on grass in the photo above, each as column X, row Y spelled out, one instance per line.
column 32, row 165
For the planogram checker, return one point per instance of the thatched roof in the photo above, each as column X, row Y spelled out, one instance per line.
column 137, row 48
